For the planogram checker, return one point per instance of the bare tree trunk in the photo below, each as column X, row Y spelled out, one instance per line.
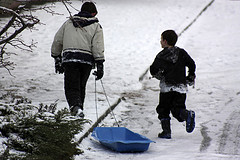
column 18, row 22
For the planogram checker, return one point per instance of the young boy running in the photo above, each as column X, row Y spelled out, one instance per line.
column 169, row 67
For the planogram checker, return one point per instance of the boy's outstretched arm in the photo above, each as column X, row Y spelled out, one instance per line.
column 191, row 70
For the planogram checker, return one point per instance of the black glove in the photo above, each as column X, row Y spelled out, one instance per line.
column 99, row 73
column 58, row 65
column 191, row 79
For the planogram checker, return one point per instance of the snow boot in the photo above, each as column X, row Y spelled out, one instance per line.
column 77, row 111
column 190, row 122
column 189, row 117
column 166, row 133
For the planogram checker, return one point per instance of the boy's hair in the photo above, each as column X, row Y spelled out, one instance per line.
column 170, row 36
column 89, row 7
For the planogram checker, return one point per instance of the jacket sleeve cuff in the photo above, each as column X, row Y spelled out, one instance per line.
column 99, row 61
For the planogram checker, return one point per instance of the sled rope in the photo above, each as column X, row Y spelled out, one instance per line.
column 96, row 98
column 109, row 103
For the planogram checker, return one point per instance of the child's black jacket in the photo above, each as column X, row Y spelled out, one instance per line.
column 172, row 63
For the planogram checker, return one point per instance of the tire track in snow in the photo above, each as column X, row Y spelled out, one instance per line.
column 206, row 139
column 230, row 138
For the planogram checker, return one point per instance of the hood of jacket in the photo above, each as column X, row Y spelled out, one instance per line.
column 83, row 19
column 169, row 54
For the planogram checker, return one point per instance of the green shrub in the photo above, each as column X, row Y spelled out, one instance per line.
column 38, row 133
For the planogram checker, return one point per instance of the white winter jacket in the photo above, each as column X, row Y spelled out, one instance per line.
column 79, row 40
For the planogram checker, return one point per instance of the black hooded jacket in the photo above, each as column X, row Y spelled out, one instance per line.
column 171, row 63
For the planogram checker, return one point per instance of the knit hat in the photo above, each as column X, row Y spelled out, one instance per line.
column 89, row 7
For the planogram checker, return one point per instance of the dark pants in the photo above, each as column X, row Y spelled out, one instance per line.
column 75, row 80
column 173, row 102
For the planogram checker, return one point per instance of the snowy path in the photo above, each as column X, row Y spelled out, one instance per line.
column 132, row 31
column 139, row 115
column 215, row 98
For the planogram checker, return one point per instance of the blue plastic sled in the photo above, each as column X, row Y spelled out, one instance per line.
column 121, row 139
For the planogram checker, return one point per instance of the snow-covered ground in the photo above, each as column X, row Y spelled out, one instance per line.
column 132, row 30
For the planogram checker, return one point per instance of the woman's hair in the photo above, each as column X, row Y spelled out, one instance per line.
column 89, row 7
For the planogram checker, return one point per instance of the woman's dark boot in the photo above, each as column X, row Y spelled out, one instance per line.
column 166, row 133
